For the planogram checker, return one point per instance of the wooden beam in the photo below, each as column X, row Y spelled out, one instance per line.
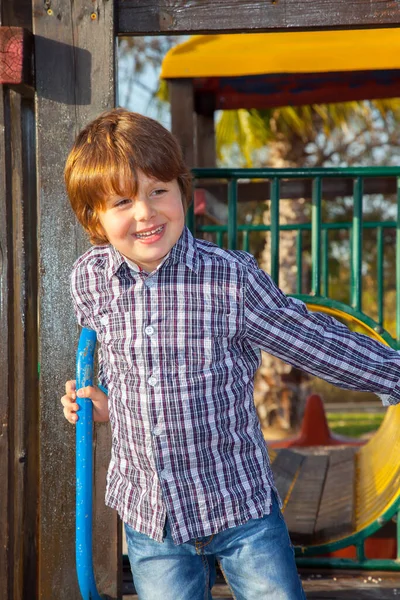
column 25, row 403
column 16, row 57
column 6, row 390
column 183, row 117
column 224, row 16
column 74, row 48
column 205, row 141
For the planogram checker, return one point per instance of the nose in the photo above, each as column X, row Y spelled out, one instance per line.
column 143, row 209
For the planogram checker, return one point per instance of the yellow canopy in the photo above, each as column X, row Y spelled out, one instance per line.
column 288, row 52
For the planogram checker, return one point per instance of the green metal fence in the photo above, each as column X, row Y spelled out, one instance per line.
column 319, row 233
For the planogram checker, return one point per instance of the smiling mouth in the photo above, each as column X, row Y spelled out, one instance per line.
column 148, row 234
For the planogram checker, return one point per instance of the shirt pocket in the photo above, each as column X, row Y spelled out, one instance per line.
column 117, row 340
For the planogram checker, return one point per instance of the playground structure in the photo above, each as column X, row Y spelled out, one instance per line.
column 57, row 73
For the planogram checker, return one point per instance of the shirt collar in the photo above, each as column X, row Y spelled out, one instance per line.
column 184, row 251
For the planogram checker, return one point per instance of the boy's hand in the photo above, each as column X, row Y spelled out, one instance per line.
column 98, row 398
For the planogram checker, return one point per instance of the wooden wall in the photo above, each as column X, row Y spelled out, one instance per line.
column 39, row 241
column 74, row 65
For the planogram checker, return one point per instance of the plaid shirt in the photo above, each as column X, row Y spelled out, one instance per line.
column 180, row 348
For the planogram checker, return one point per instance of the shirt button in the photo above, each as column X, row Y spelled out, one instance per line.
column 152, row 381
column 166, row 474
column 149, row 330
column 157, row 430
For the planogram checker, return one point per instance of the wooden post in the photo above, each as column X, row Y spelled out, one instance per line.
column 74, row 47
column 205, row 141
column 183, row 117
column 18, row 310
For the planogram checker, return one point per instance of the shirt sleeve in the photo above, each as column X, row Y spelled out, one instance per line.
column 316, row 342
column 83, row 299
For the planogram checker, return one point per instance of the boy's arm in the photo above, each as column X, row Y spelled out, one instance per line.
column 316, row 342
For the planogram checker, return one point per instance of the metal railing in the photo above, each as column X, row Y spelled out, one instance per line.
column 318, row 229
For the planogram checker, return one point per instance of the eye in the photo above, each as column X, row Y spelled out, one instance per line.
column 158, row 192
column 122, row 202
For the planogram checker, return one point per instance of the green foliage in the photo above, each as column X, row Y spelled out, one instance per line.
column 354, row 424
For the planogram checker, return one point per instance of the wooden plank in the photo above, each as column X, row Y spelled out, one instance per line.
column 16, row 64
column 74, row 47
column 284, row 468
column 183, row 117
column 6, row 389
column 205, row 16
column 205, row 141
column 336, row 513
column 24, row 412
column 302, row 509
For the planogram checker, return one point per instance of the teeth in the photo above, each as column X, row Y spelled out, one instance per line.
column 149, row 233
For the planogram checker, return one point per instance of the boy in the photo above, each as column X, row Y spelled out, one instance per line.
column 180, row 324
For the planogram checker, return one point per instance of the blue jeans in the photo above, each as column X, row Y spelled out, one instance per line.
column 256, row 558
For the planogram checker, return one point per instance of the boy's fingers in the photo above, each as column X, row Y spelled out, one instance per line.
column 70, row 388
column 86, row 392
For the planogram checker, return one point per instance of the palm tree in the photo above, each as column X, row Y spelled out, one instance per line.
column 343, row 134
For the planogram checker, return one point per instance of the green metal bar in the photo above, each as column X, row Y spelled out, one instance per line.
column 296, row 173
column 299, row 261
column 370, row 564
column 398, row 264
column 220, row 238
column 379, row 273
column 398, row 534
column 275, row 229
column 325, row 262
column 316, row 237
column 232, row 214
column 300, row 226
column 245, row 241
column 356, row 246
column 360, row 551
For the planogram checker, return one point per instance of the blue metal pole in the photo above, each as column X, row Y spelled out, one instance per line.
column 84, row 469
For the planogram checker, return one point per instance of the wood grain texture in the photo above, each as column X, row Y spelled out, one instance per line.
column 24, row 413
column 183, row 117
column 16, row 64
column 6, row 390
column 302, row 509
column 75, row 82
column 336, row 512
column 284, row 468
column 210, row 16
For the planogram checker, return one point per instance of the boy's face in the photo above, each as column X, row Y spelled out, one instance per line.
column 146, row 227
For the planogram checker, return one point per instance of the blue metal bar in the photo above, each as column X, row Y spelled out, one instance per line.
column 84, row 469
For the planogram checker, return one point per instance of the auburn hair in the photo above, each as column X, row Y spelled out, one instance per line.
column 105, row 160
